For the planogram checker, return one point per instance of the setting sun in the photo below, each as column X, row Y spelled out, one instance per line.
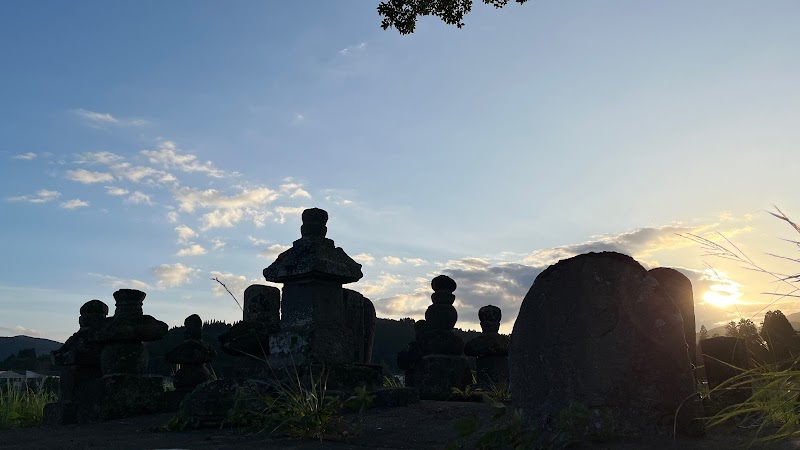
column 723, row 295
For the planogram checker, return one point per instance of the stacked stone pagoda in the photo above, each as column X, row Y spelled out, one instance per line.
column 321, row 322
column 79, row 359
column 443, row 365
column 192, row 356
column 490, row 349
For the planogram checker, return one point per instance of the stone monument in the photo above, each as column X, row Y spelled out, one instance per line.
column 443, row 365
column 314, row 322
column 192, row 357
column 410, row 358
column 597, row 330
column 250, row 337
column 679, row 288
column 79, row 359
column 490, row 350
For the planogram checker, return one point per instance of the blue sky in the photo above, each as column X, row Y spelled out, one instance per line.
column 160, row 144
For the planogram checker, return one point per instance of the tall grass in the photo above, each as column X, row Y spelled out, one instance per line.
column 22, row 407
column 772, row 405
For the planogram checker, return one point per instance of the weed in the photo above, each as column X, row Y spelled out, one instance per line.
column 392, row 381
column 23, row 408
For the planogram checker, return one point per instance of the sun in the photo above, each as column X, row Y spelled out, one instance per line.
column 722, row 295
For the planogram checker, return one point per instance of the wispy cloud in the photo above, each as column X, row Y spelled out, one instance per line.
column 138, row 198
column 173, row 275
column 347, row 51
column 106, row 158
column 169, row 156
column 98, row 119
column 142, row 174
column 116, row 191
column 42, row 196
column 185, row 233
column 394, row 260
column 273, row 251
column 87, row 177
column 121, row 283
column 288, row 211
column 227, row 210
column 26, row 156
column 74, row 204
column 192, row 250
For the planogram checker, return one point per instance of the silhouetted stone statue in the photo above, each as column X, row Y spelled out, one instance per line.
column 250, row 337
column 444, row 365
column 598, row 330
column 410, row 358
column 193, row 356
column 781, row 338
column 490, row 349
column 314, row 325
column 79, row 359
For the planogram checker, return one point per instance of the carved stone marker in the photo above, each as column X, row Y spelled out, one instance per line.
column 314, row 326
column 597, row 330
column 410, row 358
column 79, row 359
column 250, row 337
column 193, row 356
column 724, row 357
column 444, row 365
column 490, row 349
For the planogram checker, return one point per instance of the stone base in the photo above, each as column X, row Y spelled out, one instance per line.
column 120, row 396
column 172, row 399
column 491, row 371
column 439, row 374
column 60, row 413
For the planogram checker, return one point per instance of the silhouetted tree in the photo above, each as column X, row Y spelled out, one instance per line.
column 745, row 329
column 703, row 332
column 403, row 14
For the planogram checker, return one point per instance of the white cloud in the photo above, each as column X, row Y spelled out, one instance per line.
column 192, row 250
column 185, row 233
column 89, row 177
column 122, row 283
column 97, row 119
column 169, row 156
column 227, row 211
column 381, row 286
column 288, row 211
column 42, row 196
column 394, row 260
column 26, row 156
column 364, row 259
column 139, row 198
column 353, row 48
column 106, row 158
column 116, row 191
column 218, row 244
column 74, row 203
column 172, row 217
column 257, row 241
column 172, row 275
column 236, row 284
column 142, row 174
column 273, row 251
column 20, row 330
column 300, row 193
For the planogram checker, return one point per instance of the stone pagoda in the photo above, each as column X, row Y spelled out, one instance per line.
column 317, row 315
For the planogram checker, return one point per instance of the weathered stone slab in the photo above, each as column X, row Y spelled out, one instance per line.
column 597, row 330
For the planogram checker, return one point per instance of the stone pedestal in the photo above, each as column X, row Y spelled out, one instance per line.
column 439, row 374
column 491, row 371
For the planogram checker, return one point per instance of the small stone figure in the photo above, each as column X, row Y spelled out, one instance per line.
column 444, row 365
column 410, row 358
column 490, row 349
column 193, row 356
column 79, row 358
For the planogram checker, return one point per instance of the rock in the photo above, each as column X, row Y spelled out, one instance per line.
column 679, row 289
column 597, row 330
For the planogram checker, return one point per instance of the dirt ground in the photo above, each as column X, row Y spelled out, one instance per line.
column 425, row 425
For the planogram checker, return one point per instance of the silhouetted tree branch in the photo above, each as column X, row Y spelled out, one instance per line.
column 403, row 14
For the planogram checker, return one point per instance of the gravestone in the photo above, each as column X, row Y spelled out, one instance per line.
column 261, row 318
column 444, row 365
column 725, row 357
column 79, row 359
column 360, row 317
column 781, row 338
column 679, row 288
column 410, row 358
column 490, row 350
column 192, row 357
column 598, row 331
column 314, row 322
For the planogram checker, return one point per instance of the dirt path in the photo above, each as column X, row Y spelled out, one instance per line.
column 426, row 425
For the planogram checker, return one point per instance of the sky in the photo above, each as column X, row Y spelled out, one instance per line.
column 157, row 145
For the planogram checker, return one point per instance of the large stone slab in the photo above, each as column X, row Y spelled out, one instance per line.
column 597, row 330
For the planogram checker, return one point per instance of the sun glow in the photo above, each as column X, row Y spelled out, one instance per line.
column 723, row 295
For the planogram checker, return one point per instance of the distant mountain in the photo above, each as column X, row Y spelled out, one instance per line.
column 12, row 345
column 794, row 320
